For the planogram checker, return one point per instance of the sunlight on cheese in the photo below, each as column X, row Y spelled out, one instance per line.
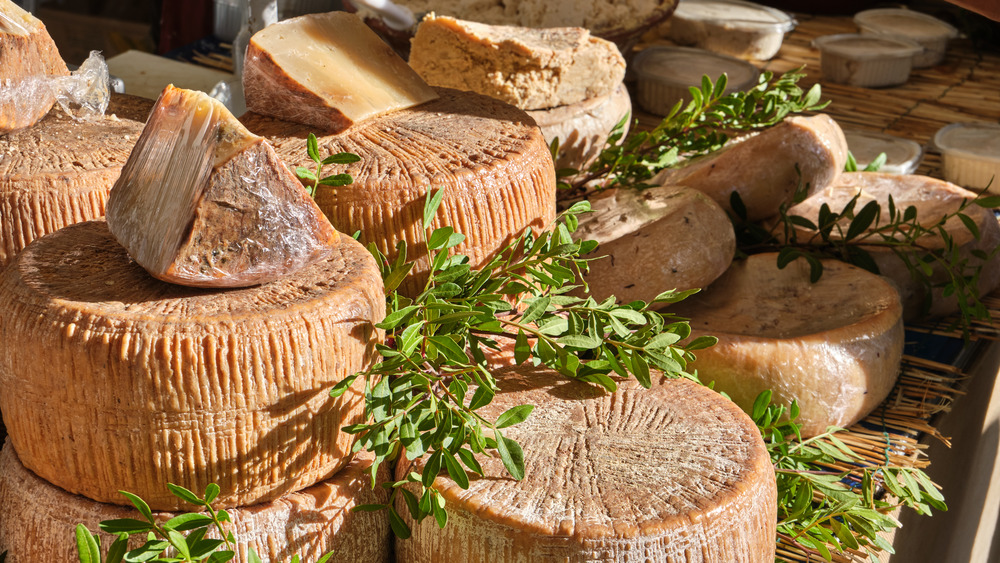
column 28, row 59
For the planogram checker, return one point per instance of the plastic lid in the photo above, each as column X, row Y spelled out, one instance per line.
column 858, row 46
column 684, row 66
column 978, row 138
column 902, row 155
column 895, row 21
column 735, row 13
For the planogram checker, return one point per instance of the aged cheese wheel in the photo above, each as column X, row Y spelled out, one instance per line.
column 28, row 57
column 834, row 345
column 583, row 128
column 60, row 171
column 767, row 168
column 204, row 202
column 145, row 383
column 661, row 238
column 489, row 157
column 37, row 519
column 933, row 199
column 673, row 473
column 525, row 67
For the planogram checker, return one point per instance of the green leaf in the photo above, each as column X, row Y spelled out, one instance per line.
column 139, row 504
column 188, row 521
column 305, row 174
column 581, row 341
column 514, row 415
column 863, row 220
column 512, row 456
column 431, row 204
column 339, row 389
column 522, row 350
column 337, row 180
column 211, row 492
column 86, row 545
column 398, row 525
column 455, row 471
column 536, row 308
column 184, row 494
column 117, row 550
column 641, row 370
column 312, row 148
column 341, row 158
column 127, row 525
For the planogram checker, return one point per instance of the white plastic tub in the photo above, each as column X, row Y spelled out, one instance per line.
column 869, row 61
column 970, row 154
column 931, row 33
column 664, row 74
column 902, row 156
column 731, row 27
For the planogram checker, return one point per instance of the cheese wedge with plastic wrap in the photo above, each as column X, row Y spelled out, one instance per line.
column 204, row 202
column 327, row 71
column 833, row 346
column 28, row 58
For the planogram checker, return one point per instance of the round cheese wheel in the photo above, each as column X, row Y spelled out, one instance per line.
column 834, row 345
column 653, row 240
column 489, row 157
column 135, row 383
column 673, row 473
column 60, row 171
column 933, row 199
column 38, row 519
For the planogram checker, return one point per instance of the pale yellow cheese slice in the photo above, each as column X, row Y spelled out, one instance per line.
column 145, row 383
column 38, row 519
column 327, row 71
column 834, row 345
column 28, row 57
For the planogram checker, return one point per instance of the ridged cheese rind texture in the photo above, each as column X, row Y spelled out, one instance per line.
column 288, row 62
column 529, row 68
column 767, row 168
column 673, row 473
column 654, row 240
column 172, row 384
column 834, row 346
column 37, row 519
column 28, row 57
column 933, row 199
column 60, row 171
column 489, row 157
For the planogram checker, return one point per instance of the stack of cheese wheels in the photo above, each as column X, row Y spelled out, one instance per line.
column 833, row 346
column 570, row 83
column 37, row 519
column 673, row 473
column 59, row 171
column 172, row 384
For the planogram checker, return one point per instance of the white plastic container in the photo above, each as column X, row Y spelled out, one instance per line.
column 664, row 74
column 902, row 156
column 731, row 27
column 869, row 61
column 970, row 154
column 931, row 33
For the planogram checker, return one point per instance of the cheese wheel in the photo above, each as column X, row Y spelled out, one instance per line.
column 145, row 383
column 673, row 473
column 38, row 519
column 834, row 346
column 767, row 168
column 489, row 157
column 60, row 171
column 653, row 240
column 933, row 199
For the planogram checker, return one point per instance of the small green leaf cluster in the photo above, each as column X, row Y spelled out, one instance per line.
column 166, row 541
column 422, row 397
column 823, row 511
column 317, row 178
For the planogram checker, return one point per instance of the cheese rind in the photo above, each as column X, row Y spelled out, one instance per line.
column 529, row 68
column 328, row 71
column 660, row 238
column 204, row 202
column 834, row 346
column 181, row 385
column 37, row 519
column 673, row 473
column 767, row 168
column 28, row 58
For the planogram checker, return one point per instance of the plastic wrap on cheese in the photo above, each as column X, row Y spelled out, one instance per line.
column 83, row 94
column 204, row 202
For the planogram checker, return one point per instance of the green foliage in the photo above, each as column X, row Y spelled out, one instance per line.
column 317, row 178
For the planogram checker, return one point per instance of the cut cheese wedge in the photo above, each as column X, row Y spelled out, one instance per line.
column 674, row 473
column 488, row 156
column 327, row 71
column 654, row 240
column 181, row 385
column 28, row 57
column 37, row 519
column 932, row 199
column 766, row 169
column 834, row 346
column 525, row 67
column 204, row 202
column 60, row 171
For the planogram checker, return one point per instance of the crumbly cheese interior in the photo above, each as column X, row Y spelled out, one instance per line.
column 15, row 20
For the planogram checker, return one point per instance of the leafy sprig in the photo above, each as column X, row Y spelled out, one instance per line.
column 317, row 178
